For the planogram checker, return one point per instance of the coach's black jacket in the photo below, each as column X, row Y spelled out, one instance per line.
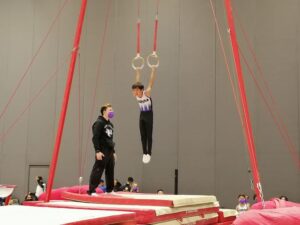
column 103, row 132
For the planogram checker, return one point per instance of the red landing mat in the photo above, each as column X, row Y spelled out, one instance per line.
column 142, row 199
column 224, row 223
column 227, row 215
column 144, row 214
column 54, row 216
column 207, row 219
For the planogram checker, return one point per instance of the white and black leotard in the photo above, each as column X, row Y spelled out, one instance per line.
column 146, row 122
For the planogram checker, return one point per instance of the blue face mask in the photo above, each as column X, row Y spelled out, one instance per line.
column 111, row 115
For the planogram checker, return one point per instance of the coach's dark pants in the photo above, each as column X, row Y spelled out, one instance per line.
column 107, row 163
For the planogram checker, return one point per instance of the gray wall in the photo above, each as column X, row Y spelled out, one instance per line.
column 196, row 128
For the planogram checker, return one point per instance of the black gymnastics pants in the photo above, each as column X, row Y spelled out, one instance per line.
column 107, row 163
column 146, row 128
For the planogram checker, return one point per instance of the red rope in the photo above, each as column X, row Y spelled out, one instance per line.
column 272, row 106
column 79, row 119
column 155, row 35
column 157, row 6
column 138, row 48
column 243, row 97
column 96, row 83
column 230, row 76
column 36, row 96
column 283, row 134
column 32, row 60
column 155, row 27
column 259, row 68
column 138, row 42
column 138, row 8
column 227, row 65
column 251, row 49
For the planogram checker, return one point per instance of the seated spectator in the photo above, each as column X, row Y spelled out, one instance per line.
column 2, row 201
column 30, row 197
column 242, row 205
column 127, row 187
column 160, row 192
column 14, row 201
column 102, row 186
column 134, row 187
column 282, row 197
column 117, row 186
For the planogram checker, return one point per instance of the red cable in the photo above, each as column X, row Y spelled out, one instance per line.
column 278, row 121
column 157, row 6
column 138, row 8
column 227, row 65
column 155, row 27
column 247, row 119
column 79, row 119
column 240, row 113
column 255, row 58
column 279, row 126
column 229, row 73
column 32, row 61
column 155, row 34
column 6, row 132
column 273, row 102
column 138, row 42
column 96, row 83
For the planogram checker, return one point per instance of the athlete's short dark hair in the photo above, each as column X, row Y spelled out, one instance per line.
column 138, row 85
column 130, row 179
column 104, row 107
column 241, row 195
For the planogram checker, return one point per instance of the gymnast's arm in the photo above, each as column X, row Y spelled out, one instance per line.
column 151, row 81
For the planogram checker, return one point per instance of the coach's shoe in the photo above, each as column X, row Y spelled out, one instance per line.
column 90, row 192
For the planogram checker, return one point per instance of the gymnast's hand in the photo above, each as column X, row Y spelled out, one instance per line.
column 99, row 155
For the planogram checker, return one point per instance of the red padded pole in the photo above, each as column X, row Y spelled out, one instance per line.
column 65, row 100
column 246, row 118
